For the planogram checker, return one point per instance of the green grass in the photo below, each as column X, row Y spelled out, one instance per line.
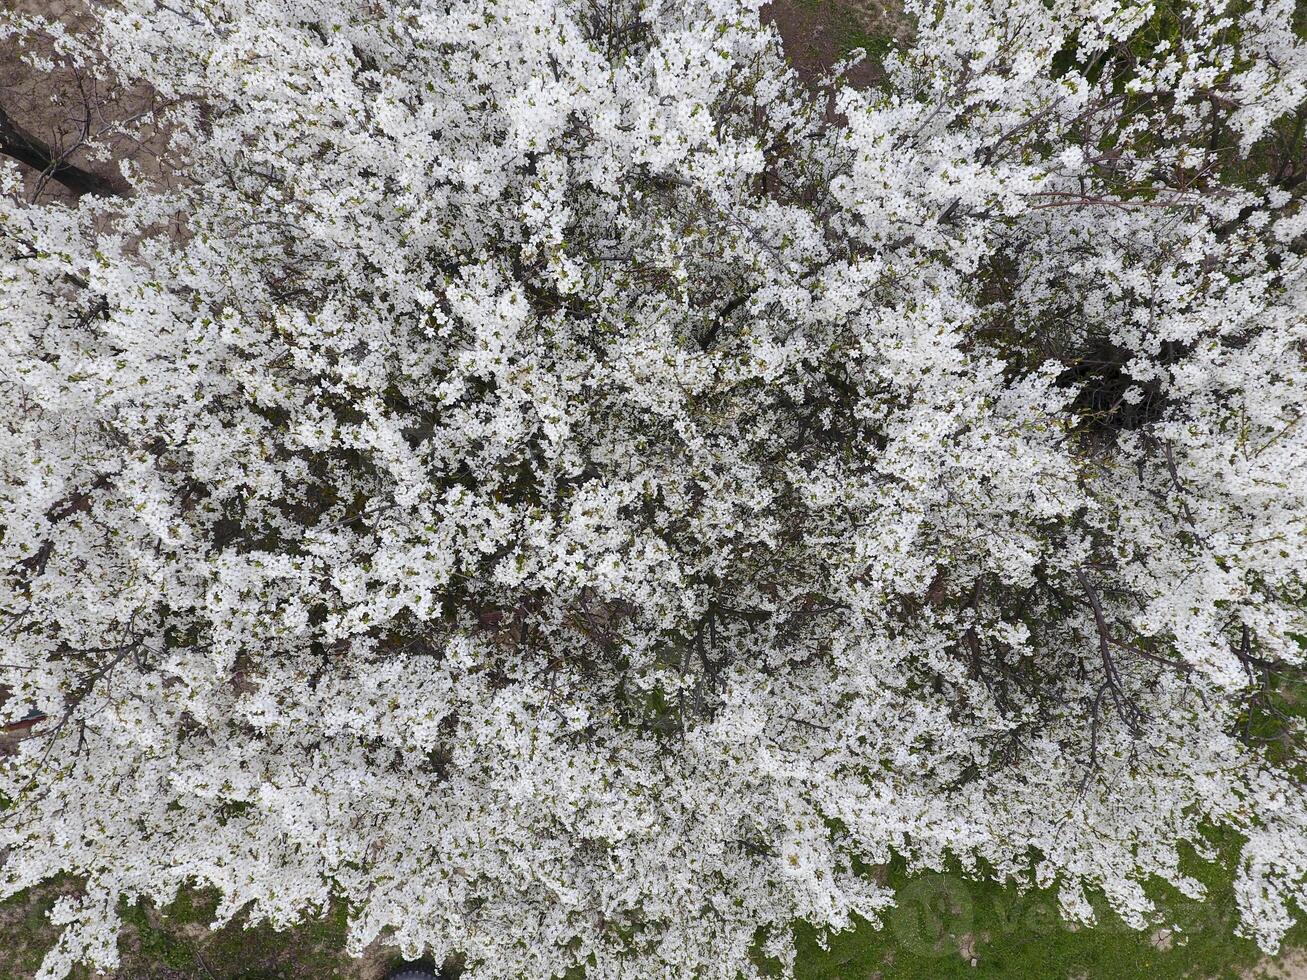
column 175, row 943
column 944, row 921
column 1015, row 935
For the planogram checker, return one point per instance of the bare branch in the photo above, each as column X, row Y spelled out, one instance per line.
column 21, row 145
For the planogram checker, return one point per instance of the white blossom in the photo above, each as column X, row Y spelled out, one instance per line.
column 575, row 491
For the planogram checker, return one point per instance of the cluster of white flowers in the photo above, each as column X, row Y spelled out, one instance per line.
column 550, row 477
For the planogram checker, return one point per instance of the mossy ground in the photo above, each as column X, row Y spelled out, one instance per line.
column 948, row 926
column 942, row 924
column 175, row 943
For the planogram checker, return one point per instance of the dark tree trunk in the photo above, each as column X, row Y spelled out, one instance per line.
column 18, row 143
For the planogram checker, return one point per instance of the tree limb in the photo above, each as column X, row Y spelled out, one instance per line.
column 18, row 143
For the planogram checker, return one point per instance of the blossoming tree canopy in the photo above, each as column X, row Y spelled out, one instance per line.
column 544, row 474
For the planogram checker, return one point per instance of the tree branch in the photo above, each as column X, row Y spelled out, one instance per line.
column 18, row 143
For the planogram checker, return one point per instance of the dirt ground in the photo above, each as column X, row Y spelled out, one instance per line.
column 818, row 33
column 70, row 111
column 1291, row 966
